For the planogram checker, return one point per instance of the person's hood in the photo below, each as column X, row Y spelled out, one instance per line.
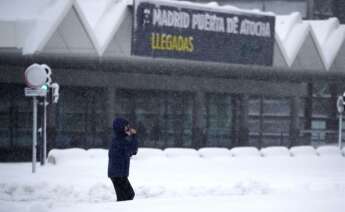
column 119, row 127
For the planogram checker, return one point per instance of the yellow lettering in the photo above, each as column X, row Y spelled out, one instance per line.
column 190, row 44
column 170, row 42
column 163, row 41
column 152, row 41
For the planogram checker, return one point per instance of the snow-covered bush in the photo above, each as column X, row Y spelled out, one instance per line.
column 145, row 153
column 97, row 153
column 181, row 152
column 303, row 151
column 328, row 151
column 245, row 152
column 211, row 152
column 72, row 155
column 275, row 151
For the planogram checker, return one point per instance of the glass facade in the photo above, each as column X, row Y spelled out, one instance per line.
column 15, row 117
column 322, row 107
column 80, row 118
column 269, row 121
column 220, row 120
column 163, row 119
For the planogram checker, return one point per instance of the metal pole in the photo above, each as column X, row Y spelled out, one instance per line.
column 34, row 134
column 44, row 130
column 340, row 129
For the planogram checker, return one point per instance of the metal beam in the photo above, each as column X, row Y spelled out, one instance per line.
column 172, row 67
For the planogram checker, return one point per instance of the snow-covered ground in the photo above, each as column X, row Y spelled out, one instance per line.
column 274, row 179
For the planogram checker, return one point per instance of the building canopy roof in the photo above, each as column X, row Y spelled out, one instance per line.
column 27, row 29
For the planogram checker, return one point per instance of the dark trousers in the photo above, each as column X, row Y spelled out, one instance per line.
column 123, row 188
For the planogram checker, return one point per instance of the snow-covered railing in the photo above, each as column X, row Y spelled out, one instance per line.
column 276, row 151
column 73, row 155
column 145, row 153
column 304, row 151
column 180, row 152
column 212, row 152
column 57, row 156
column 245, row 152
column 329, row 151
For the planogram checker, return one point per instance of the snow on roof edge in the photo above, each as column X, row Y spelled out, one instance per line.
column 42, row 31
column 281, row 47
column 291, row 34
column 335, row 53
column 332, row 46
column 284, row 23
column 323, row 39
column 116, row 18
column 46, row 24
column 210, row 5
column 88, row 27
column 318, row 47
column 130, row 2
column 298, row 42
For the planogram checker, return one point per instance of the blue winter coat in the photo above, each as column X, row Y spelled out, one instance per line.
column 121, row 149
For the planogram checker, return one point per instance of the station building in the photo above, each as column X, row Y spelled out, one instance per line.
column 172, row 102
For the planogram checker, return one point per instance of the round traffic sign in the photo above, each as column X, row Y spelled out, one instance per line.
column 340, row 104
column 37, row 75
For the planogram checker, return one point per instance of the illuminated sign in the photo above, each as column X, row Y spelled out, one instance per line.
column 186, row 31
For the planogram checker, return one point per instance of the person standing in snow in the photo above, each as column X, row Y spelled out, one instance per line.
column 122, row 147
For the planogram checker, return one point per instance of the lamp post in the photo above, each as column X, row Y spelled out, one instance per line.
column 35, row 77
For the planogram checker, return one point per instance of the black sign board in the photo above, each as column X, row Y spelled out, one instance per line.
column 180, row 30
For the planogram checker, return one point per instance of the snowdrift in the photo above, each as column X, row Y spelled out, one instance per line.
column 75, row 155
column 77, row 175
